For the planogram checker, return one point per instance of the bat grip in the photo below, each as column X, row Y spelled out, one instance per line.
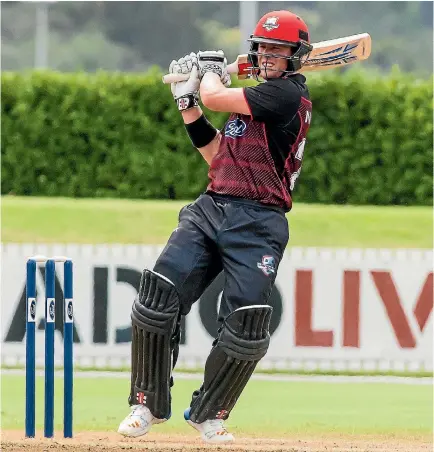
column 173, row 78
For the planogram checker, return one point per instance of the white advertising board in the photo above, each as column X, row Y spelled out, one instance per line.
column 333, row 308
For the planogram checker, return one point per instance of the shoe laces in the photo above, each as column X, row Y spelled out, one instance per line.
column 217, row 424
column 136, row 408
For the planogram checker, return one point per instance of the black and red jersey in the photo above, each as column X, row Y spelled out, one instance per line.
column 260, row 155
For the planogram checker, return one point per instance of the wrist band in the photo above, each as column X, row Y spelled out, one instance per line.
column 186, row 102
column 201, row 132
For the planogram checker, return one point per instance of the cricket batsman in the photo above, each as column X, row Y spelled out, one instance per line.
column 237, row 226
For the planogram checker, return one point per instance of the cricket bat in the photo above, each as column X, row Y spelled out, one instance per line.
column 324, row 55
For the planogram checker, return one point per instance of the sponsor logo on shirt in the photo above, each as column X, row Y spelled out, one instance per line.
column 235, row 128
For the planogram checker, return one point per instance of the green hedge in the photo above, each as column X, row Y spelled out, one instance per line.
column 120, row 135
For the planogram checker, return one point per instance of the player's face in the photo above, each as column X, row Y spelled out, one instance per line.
column 272, row 67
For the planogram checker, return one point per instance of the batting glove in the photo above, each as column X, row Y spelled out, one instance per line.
column 214, row 61
column 185, row 93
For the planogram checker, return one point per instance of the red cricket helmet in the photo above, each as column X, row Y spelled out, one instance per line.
column 282, row 28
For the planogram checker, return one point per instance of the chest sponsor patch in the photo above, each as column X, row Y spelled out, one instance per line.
column 235, row 128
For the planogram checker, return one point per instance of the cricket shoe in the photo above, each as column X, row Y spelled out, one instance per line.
column 138, row 422
column 211, row 430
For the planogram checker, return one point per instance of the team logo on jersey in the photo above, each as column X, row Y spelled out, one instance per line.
column 267, row 265
column 271, row 23
column 235, row 128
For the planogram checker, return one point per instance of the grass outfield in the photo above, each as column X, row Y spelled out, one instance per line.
column 270, row 409
column 62, row 220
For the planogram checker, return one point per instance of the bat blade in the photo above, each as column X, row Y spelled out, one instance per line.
column 338, row 52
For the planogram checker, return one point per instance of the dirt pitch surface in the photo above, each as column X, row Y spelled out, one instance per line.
column 105, row 442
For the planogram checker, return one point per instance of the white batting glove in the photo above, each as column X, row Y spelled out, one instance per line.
column 214, row 61
column 185, row 93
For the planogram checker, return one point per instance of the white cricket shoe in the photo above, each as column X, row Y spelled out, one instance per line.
column 212, row 430
column 138, row 422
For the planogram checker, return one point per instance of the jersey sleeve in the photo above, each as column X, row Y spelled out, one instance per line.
column 273, row 101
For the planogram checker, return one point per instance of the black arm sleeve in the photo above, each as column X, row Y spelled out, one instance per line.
column 276, row 100
column 201, row 132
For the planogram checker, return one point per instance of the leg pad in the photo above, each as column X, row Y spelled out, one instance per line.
column 242, row 342
column 155, row 316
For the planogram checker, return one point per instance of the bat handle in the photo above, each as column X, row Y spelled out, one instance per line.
column 173, row 78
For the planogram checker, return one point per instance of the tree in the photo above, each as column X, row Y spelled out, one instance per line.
column 158, row 32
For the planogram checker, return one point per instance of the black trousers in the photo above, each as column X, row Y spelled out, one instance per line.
column 242, row 238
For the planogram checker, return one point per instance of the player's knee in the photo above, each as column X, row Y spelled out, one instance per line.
column 246, row 332
column 177, row 275
column 171, row 269
column 247, row 298
column 156, row 303
column 169, row 263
